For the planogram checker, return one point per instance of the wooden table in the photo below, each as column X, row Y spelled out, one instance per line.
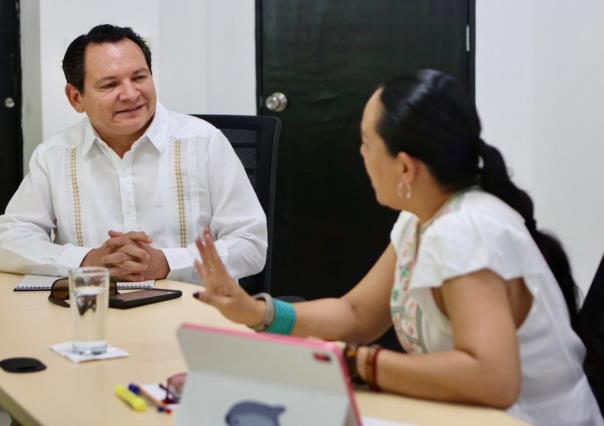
column 77, row 394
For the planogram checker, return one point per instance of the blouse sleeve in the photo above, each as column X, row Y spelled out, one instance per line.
column 459, row 244
column 403, row 228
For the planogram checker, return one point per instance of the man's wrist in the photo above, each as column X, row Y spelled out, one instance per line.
column 159, row 265
column 92, row 258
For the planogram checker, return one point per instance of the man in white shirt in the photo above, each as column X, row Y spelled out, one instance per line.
column 132, row 185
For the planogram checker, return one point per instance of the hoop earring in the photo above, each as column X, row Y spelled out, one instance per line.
column 399, row 189
column 409, row 191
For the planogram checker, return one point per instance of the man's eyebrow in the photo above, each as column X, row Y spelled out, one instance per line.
column 106, row 79
column 141, row 70
column 112, row 77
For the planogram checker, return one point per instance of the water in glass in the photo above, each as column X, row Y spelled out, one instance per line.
column 89, row 307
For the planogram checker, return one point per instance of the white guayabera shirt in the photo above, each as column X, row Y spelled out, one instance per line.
column 180, row 176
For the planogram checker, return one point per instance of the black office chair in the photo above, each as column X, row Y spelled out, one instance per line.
column 591, row 329
column 255, row 139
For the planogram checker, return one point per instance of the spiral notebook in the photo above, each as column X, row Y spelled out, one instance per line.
column 43, row 282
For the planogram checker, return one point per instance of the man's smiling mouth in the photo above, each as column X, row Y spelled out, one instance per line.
column 126, row 110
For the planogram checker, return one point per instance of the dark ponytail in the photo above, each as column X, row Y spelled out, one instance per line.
column 428, row 115
column 494, row 178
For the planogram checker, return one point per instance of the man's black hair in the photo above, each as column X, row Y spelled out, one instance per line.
column 73, row 61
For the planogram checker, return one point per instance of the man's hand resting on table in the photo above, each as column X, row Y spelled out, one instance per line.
column 129, row 257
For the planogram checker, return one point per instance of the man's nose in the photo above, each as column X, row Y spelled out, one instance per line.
column 128, row 91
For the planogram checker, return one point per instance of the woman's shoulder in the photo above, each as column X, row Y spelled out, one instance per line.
column 404, row 227
column 477, row 211
column 477, row 231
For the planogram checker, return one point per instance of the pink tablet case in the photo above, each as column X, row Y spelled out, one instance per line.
column 261, row 379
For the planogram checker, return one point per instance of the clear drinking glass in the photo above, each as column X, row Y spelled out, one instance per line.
column 89, row 304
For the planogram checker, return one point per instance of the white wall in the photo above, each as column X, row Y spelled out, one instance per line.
column 539, row 77
column 31, row 76
column 539, row 85
column 208, row 56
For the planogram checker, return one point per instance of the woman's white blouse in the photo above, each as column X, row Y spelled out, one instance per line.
column 475, row 231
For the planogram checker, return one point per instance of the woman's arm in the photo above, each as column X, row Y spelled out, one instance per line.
column 484, row 366
column 362, row 315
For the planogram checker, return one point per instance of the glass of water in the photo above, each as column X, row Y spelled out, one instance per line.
column 89, row 303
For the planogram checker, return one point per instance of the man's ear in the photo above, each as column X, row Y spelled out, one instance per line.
column 74, row 97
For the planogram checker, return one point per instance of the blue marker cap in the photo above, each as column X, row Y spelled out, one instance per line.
column 134, row 388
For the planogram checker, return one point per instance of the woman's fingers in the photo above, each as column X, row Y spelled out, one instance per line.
column 209, row 255
column 213, row 284
column 202, row 272
column 217, row 300
column 203, row 251
column 212, row 254
column 212, row 271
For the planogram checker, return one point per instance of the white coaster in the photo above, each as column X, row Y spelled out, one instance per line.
column 66, row 349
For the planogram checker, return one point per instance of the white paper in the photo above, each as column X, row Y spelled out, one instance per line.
column 36, row 282
column 130, row 285
column 372, row 421
column 66, row 349
column 44, row 282
column 158, row 393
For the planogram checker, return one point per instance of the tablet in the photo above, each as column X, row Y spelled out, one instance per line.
column 142, row 297
column 245, row 378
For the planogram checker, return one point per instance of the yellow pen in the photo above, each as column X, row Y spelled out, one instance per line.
column 133, row 400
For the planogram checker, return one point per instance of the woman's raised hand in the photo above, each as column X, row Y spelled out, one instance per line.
column 220, row 289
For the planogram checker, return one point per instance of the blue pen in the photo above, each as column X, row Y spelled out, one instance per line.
column 136, row 389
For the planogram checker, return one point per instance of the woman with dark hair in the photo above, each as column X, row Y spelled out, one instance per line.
column 468, row 281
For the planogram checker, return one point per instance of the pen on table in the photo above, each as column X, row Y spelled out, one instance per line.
column 139, row 390
column 134, row 401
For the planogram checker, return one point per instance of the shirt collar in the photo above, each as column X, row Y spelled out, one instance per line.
column 89, row 137
column 156, row 132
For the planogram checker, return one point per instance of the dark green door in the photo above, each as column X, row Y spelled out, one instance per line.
column 326, row 57
column 11, row 144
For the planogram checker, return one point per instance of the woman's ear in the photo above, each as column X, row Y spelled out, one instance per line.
column 408, row 166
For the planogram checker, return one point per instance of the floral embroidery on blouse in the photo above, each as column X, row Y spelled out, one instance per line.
column 406, row 313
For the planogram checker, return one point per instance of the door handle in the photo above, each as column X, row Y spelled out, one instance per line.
column 9, row 102
column 276, row 102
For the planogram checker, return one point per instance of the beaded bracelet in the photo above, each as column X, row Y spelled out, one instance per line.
column 371, row 366
column 350, row 356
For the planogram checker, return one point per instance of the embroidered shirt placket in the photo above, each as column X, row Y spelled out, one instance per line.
column 75, row 191
column 180, row 193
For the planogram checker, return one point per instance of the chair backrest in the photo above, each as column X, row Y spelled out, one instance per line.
column 591, row 329
column 255, row 140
